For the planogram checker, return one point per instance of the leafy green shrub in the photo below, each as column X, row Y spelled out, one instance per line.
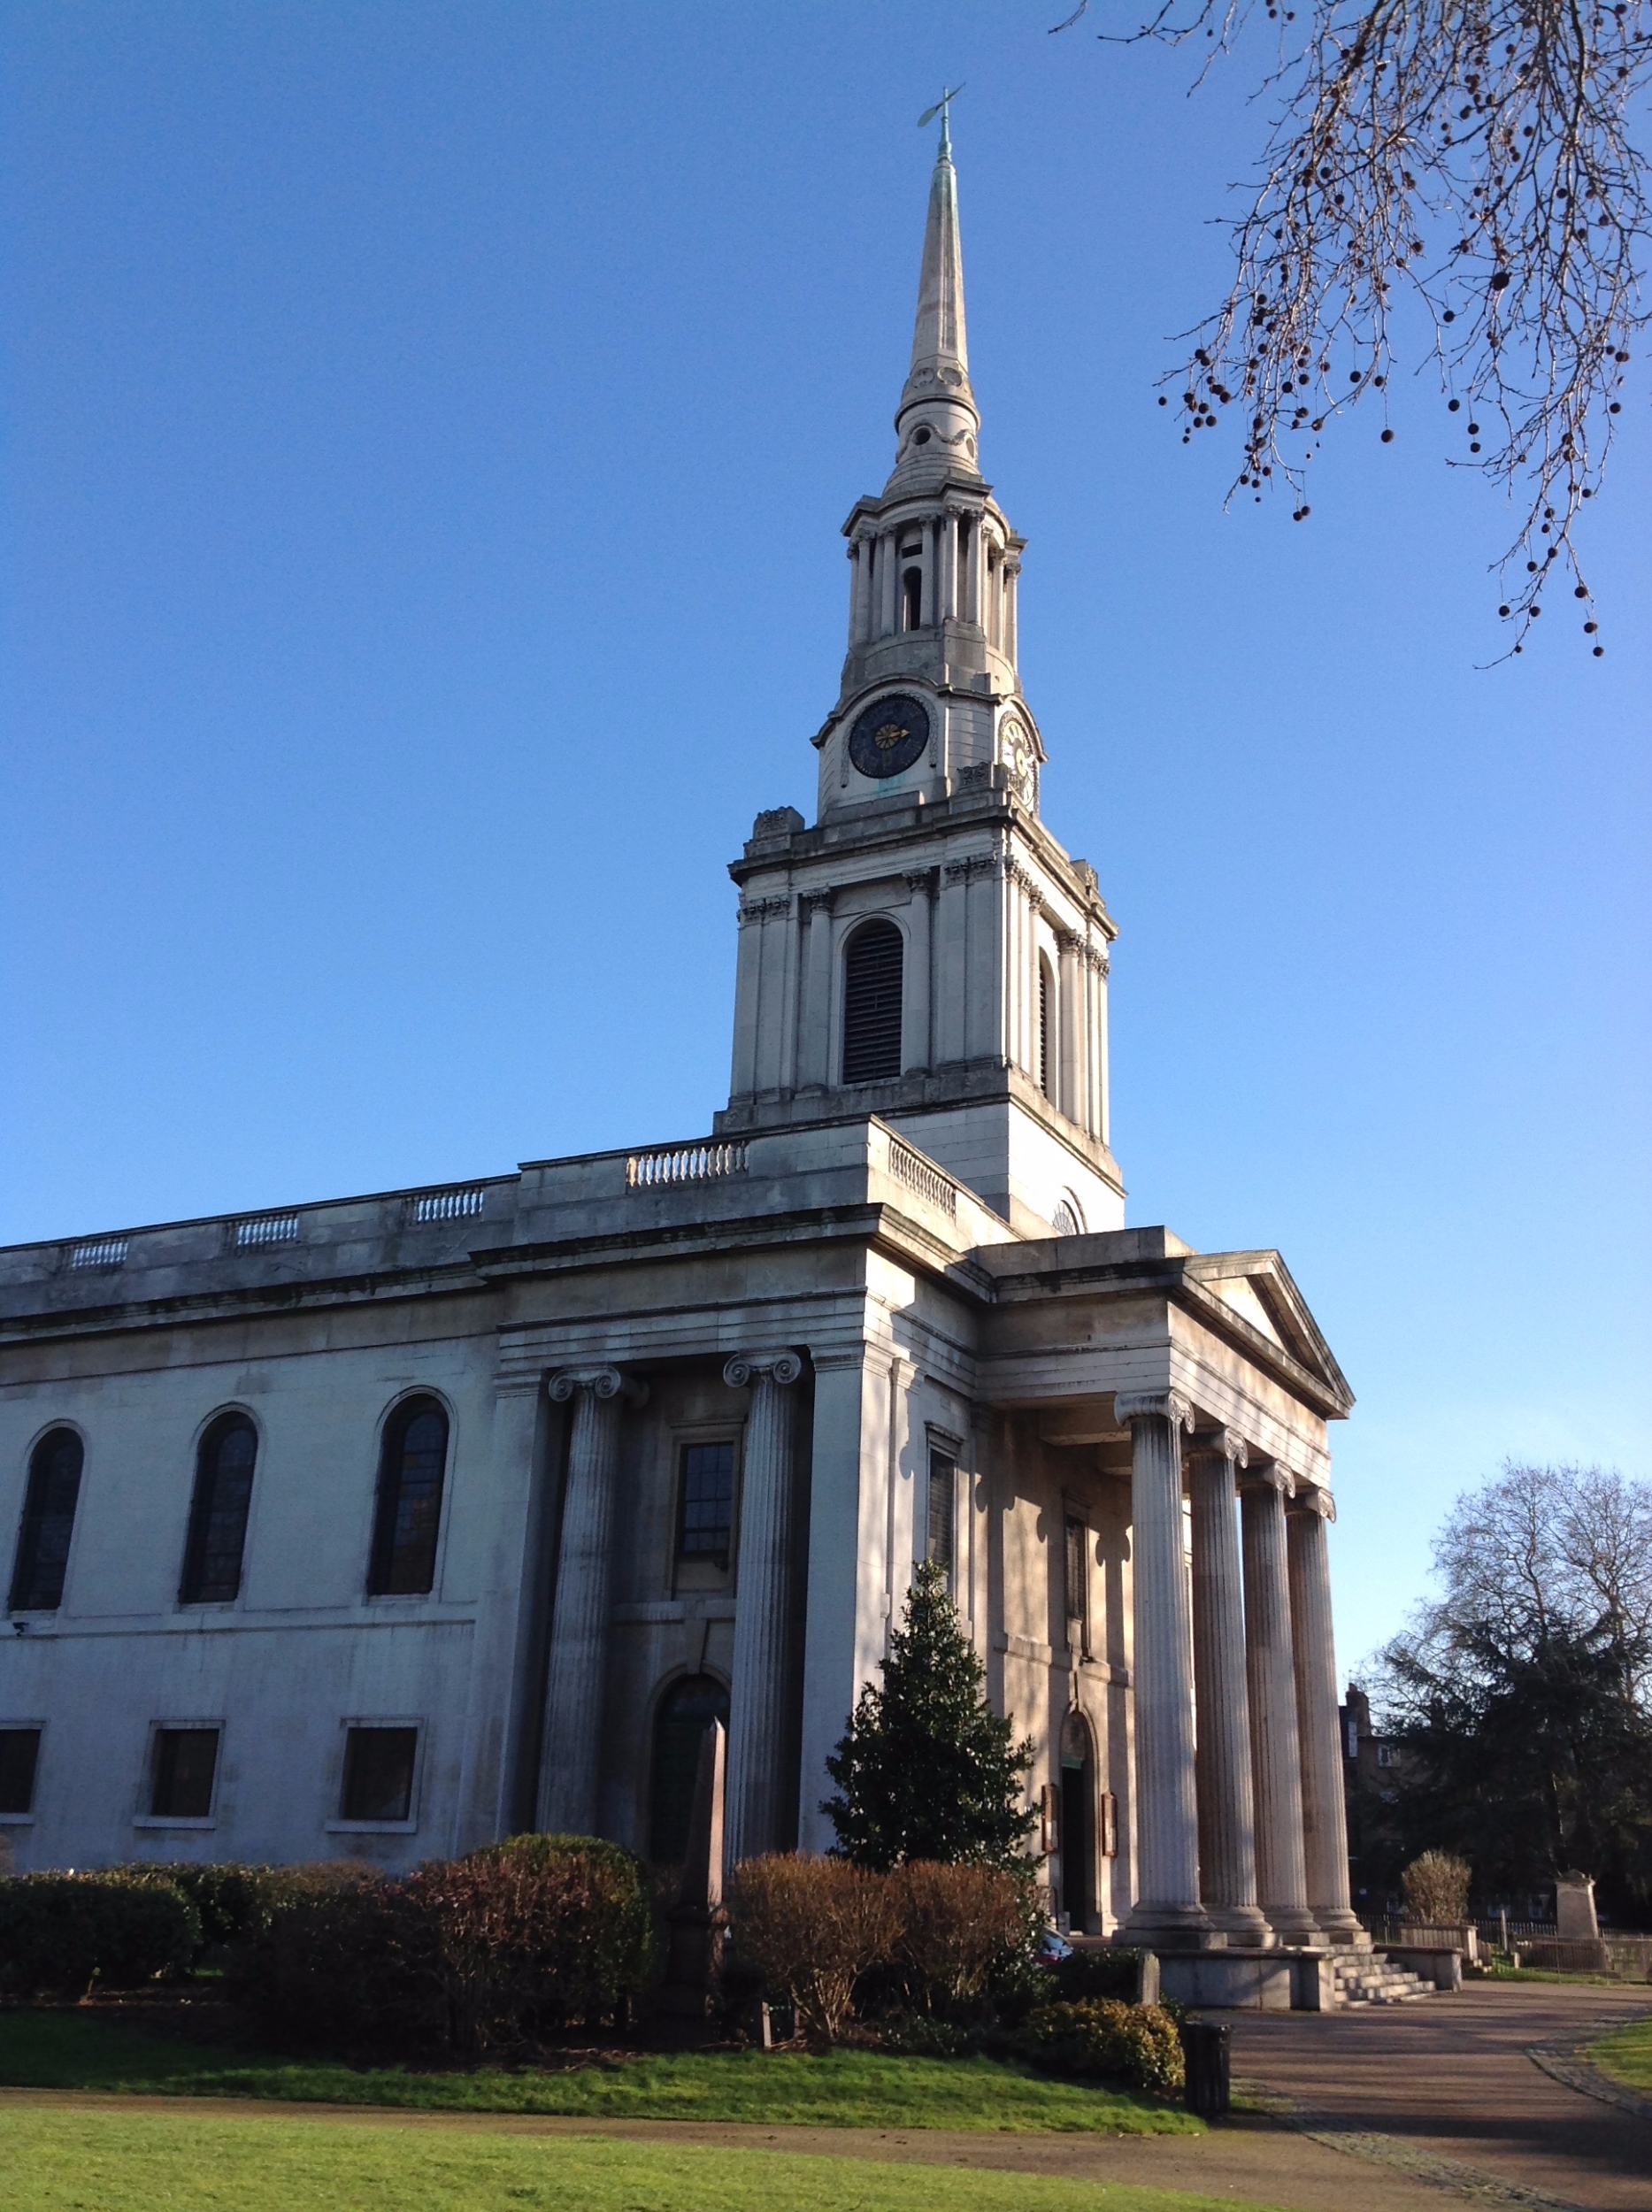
column 1136, row 2045
column 347, row 1960
column 58, row 1931
column 811, row 1928
column 233, row 1901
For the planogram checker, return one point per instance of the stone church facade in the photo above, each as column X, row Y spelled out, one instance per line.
column 387, row 1526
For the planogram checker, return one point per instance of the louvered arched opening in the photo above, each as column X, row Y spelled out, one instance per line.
column 1045, row 993
column 872, row 1004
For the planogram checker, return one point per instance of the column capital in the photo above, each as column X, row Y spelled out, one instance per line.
column 1313, row 1497
column 1268, row 1474
column 1164, row 1405
column 601, row 1382
column 923, row 882
column 783, row 1368
column 1223, row 1444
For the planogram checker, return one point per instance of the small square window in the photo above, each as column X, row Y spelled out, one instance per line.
column 184, row 1768
column 379, row 1773
column 19, row 1756
column 705, row 1507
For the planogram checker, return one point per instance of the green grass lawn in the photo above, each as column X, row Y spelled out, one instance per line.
column 1627, row 2056
column 76, row 2050
column 103, row 2161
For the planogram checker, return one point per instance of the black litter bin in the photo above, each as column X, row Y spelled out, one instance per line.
column 1204, row 2050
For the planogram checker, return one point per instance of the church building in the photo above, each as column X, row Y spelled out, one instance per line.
column 383, row 1527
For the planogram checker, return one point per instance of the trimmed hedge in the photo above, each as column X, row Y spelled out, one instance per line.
column 1100, row 2037
column 59, row 1932
column 485, row 1952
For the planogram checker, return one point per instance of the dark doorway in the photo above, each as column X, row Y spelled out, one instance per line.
column 1078, row 1823
column 686, row 1711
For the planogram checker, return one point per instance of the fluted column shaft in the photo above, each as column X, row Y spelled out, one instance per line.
column 1166, row 1907
column 576, row 1672
column 1276, row 1755
column 757, row 1694
column 1227, row 1846
column 1324, row 1813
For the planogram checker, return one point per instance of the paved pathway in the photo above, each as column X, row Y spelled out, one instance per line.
column 1449, row 2080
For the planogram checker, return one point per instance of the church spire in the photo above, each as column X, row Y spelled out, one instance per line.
column 937, row 420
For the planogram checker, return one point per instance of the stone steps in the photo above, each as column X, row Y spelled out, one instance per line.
column 1360, row 1979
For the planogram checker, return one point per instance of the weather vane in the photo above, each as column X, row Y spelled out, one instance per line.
column 941, row 109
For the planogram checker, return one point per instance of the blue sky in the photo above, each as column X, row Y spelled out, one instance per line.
column 428, row 432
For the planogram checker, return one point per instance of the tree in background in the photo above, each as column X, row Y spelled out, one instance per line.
column 1522, row 1698
column 1479, row 156
column 927, row 1770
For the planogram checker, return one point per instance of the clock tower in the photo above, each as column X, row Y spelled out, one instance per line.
column 926, row 951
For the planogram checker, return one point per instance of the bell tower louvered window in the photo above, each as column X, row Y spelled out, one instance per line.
column 872, row 1004
column 1043, row 1026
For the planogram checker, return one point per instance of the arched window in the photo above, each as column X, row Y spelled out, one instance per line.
column 1069, row 1221
column 1078, row 1822
column 872, row 1004
column 686, row 1711
column 911, row 598
column 409, row 1515
column 1045, row 995
column 43, row 1544
column 218, row 1515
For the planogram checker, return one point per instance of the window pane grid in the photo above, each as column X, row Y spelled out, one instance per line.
column 706, row 1503
column 943, row 1511
column 218, row 1520
column 42, row 1550
column 409, row 1518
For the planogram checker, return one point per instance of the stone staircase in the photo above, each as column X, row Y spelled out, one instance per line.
column 1365, row 1977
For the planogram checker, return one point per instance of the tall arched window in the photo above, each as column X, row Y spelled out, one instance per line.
column 218, row 1515
column 43, row 1544
column 409, row 1515
column 686, row 1711
column 1045, row 995
column 872, row 1004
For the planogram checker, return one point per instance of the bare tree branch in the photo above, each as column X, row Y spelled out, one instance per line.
column 1478, row 153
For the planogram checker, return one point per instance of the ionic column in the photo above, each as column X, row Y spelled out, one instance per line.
column 950, row 566
column 1325, row 1814
column 1007, row 627
column 577, row 1669
column 860, row 590
column 1167, row 1908
column 970, row 547
column 1270, row 1670
column 1227, row 1842
column 757, row 1701
column 888, row 582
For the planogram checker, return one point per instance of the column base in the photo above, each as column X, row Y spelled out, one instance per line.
column 1245, row 1926
column 1344, row 1928
column 1296, row 1927
column 1162, row 1927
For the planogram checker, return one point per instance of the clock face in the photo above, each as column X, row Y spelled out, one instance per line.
column 890, row 735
